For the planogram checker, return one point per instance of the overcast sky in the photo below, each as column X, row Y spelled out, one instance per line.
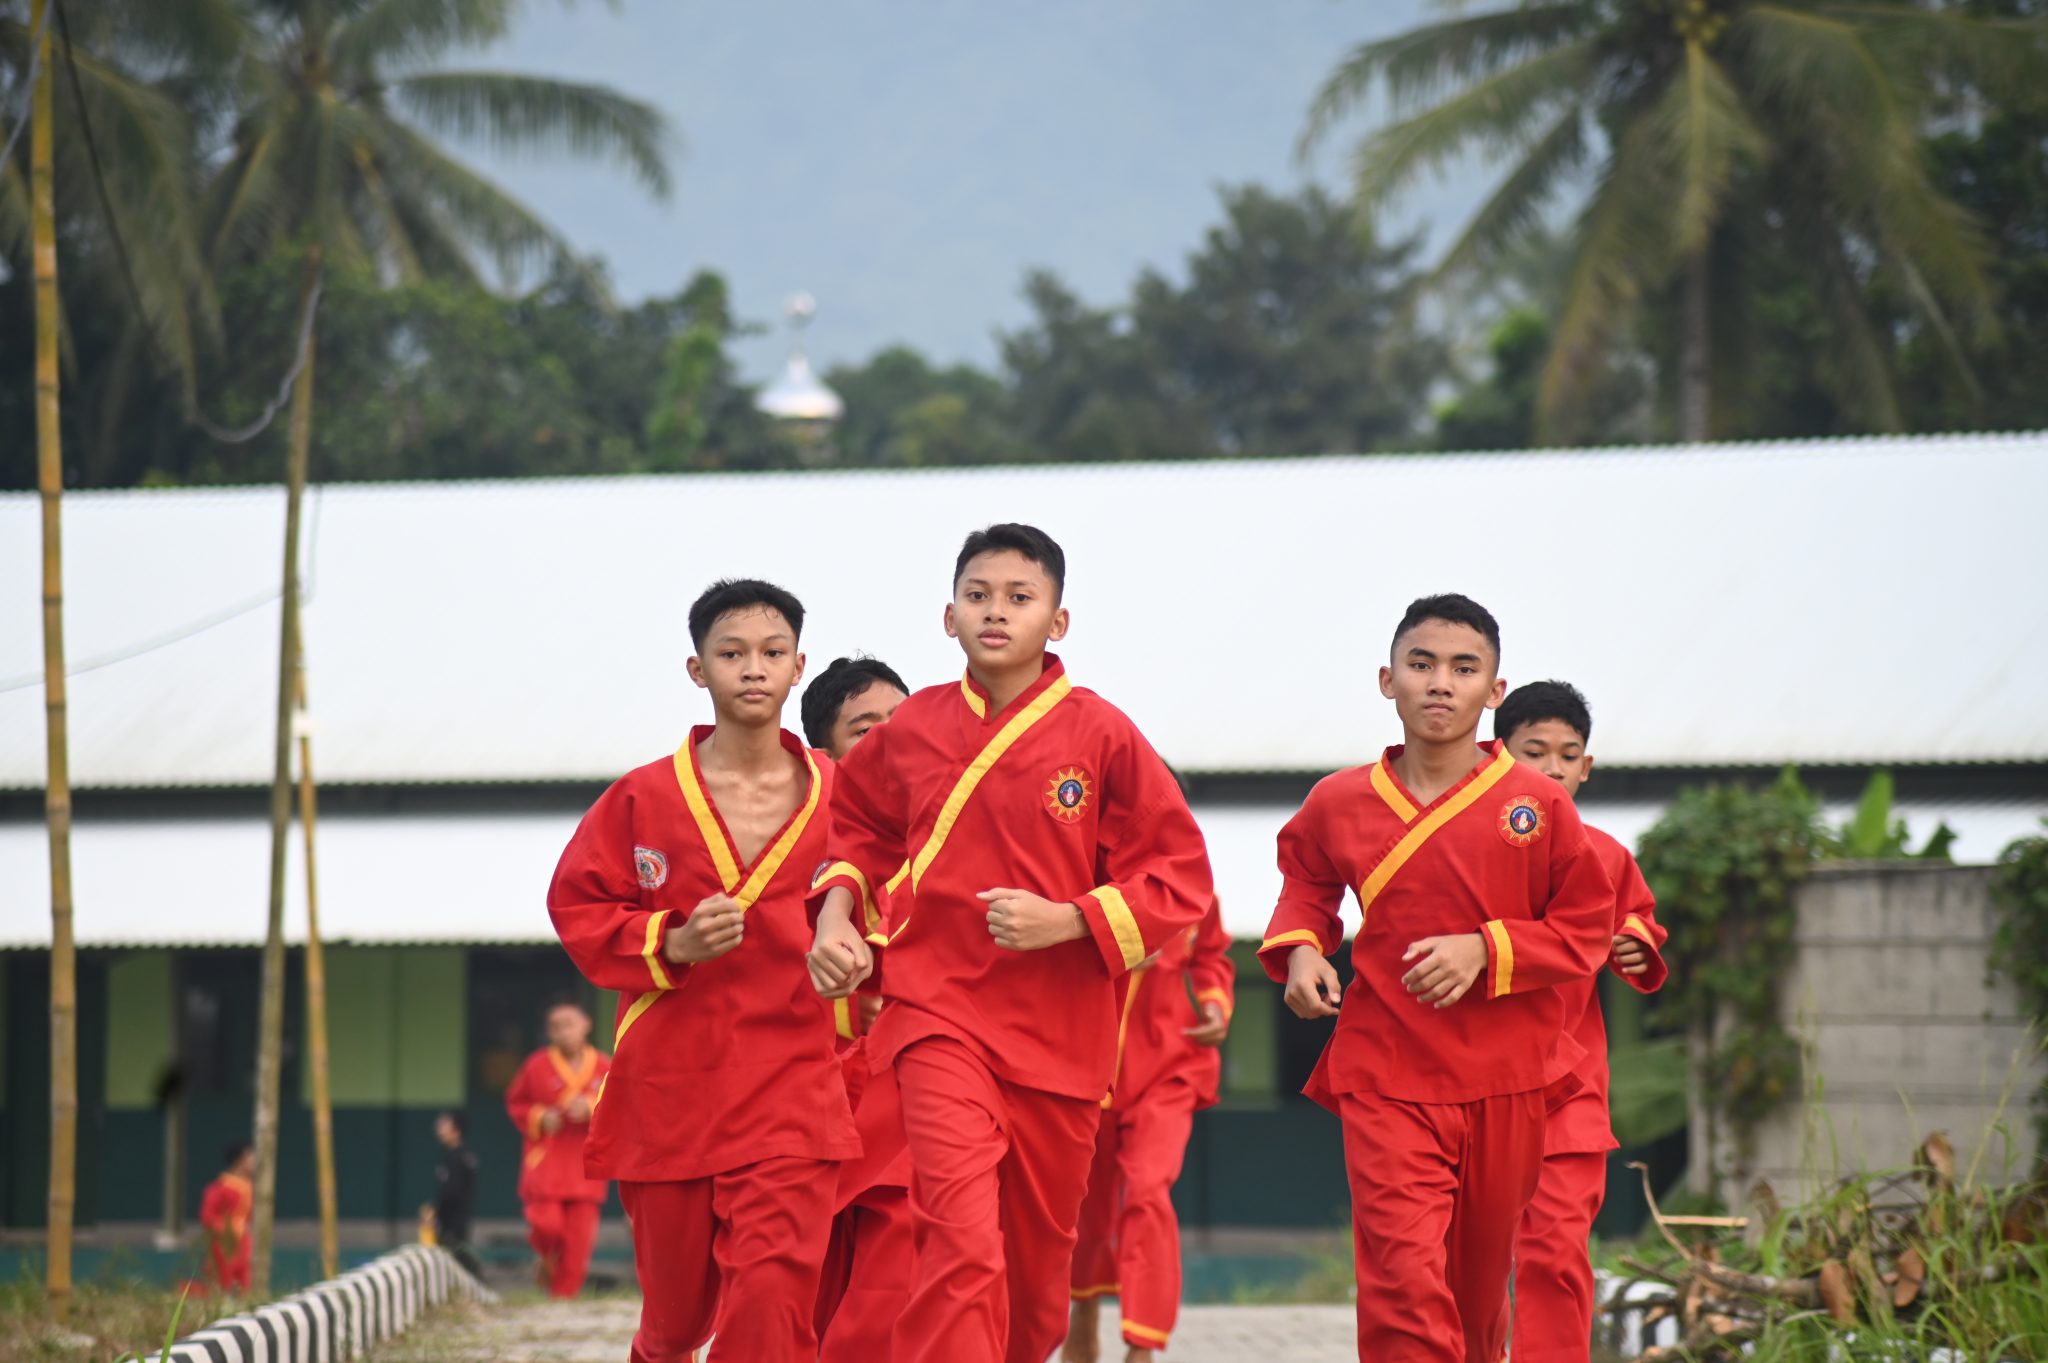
column 907, row 160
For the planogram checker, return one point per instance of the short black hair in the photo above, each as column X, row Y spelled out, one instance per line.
column 1027, row 540
column 1454, row 609
column 454, row 1119
column 556, row 1005
column 1537, row 701
column 737, row 594
column 232, row 1154
column 839, row 683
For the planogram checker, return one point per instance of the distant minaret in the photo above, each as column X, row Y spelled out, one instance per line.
column 798, row 396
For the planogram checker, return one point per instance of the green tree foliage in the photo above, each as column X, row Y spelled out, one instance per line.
column 2019, row 942
column 904, row 412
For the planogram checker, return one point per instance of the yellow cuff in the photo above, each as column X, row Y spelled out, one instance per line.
column 1123, row 925
column 1217, row 996
column 1291, row 937
column 1503, row 958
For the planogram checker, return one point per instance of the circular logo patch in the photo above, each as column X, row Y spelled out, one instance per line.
column 1067, row 795
column 651, row 866
column 1521, row 820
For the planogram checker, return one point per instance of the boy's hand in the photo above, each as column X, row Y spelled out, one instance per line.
column 870, row 1009
column 1215, row 1026
column 579, row 1109
column 1023, row 921
column 839, row 958
column 1444, row 967
column 1313, row 989
column 1631, row 957
column 713, row 928
column 550, row 1122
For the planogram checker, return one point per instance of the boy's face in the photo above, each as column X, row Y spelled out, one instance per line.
column 1556, row 749
column 859, row 713
column 1442, row 680
column 568, row 1029
column 245, row 1164
column 1004, row 611
column 749, row 665
column 445, row 1132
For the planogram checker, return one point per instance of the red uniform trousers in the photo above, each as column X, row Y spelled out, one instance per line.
column 562, row 1234
column 998, row 1171
column 1437, row 1192
column 868, row 1271
column 737, row 1252
column 1129, row 1236
column 1553, row 1303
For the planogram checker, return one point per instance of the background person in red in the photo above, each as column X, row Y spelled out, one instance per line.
column 1478, row 891
column 1176, row 1015
column 549, row 1102
column 1039, row 850
column 1548, row 725
column 224, row 1212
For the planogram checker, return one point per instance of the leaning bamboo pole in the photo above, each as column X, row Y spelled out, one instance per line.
column 316, row 992
column 57, row 783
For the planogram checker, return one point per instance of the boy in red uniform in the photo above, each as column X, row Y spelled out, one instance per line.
column 549, row 1102
column 224, row 1212
column 868, row 1266
column 724, row 1114
column 1547, row 724
column 1129, row 1236
column 1038, row 850
column 1474, row 875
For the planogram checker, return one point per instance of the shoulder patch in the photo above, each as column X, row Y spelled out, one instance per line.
column 651, row 867
column 1521, row 820
column 1067, row 794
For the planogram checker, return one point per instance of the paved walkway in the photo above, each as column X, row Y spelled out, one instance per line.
column 598, row 1331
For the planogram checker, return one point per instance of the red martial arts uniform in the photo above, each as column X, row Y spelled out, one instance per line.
column 1553, row 1300
column 873, row 1251
column 1129, row 1236
column 560, row 1201
column 728, row 1110
column 1002, row 1057
column 224, row 1211
column 1443, row 1108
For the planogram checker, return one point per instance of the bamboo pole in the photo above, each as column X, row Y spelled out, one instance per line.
column 270, row 1039
column 316, row 993
column 57, row 783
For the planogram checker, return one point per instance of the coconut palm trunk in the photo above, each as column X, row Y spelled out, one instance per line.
column 270, row 1039
column 57, row 784
column 316, row 994
column 1695, row 364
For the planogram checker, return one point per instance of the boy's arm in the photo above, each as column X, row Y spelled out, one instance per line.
column 1152, row 860
column 1311, row 893
column 594, row 901
column 1635, row 918
column 1572, row 937
column 1210, row 969
column 523, row 1105
column 866, row 844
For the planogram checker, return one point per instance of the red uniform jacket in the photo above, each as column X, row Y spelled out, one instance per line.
column 1058, row 794
column 551, row 1164
column 1158, row 1011
column 1501, row 853
column 1582, row 1123
column 723, row 1063
column 224, row 1210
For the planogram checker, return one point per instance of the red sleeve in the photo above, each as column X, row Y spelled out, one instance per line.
column 1635, row 915
column 1572, row 935
column 1311, row 893
column 595, row 903
column 214, row 1210
column 522, row 1102
column 1152, row 863
column 867, row 842
column 1210, row 969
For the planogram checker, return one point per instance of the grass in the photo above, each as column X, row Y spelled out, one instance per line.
column 111, row 1315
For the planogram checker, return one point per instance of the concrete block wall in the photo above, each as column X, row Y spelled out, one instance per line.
column 1889, row 992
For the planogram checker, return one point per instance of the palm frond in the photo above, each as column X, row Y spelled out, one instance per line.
column 1516, row 204
column 427, row 185
column 406, row 31
column 1706, row 134
column 1419, row 64
column 1497, row 115
column 1916, row 43
column 533, row 112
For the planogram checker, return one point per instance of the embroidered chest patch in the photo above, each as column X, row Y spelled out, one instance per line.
column 1068, row 793
column 1521, row 820
column 651, row 867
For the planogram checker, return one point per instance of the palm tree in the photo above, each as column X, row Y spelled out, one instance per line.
column 330, row 119
column 1696, row 132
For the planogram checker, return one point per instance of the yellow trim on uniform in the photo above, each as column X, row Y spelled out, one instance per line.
column 533, row 1116
column 1383, row 782
column 1419, row 833
column 1123, row 1027
column 771, row 861
column 652, row 951
column 842, row 1018
column 1218, row 996
column 869, row 914
column 1156, row 1338
column 639, row 1006
column 1292, row 935
column 535, row 1156
column 902, row 874
column 1123, row 925
column 1098, row 1290
column 974, row 702
column 949, row 813
column 707, row 820
column 879, row 939
column 1638, row 927
column 1503, row 956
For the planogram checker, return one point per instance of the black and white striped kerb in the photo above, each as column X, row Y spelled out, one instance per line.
column 338, row 1319
column 1629, row 1330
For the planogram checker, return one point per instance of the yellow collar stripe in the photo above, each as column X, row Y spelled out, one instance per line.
column 784, row 845
column 1503, row 957
column 1123, row 1030
column 640, row 1005
column 974, row 702
column 1383, row 782
column 963, row 789
column 1419, row 833
column 707, row 822
column 842, row 1018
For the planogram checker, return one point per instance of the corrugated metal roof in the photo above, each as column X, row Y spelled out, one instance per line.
column 483, row 878
column 1855, row 601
